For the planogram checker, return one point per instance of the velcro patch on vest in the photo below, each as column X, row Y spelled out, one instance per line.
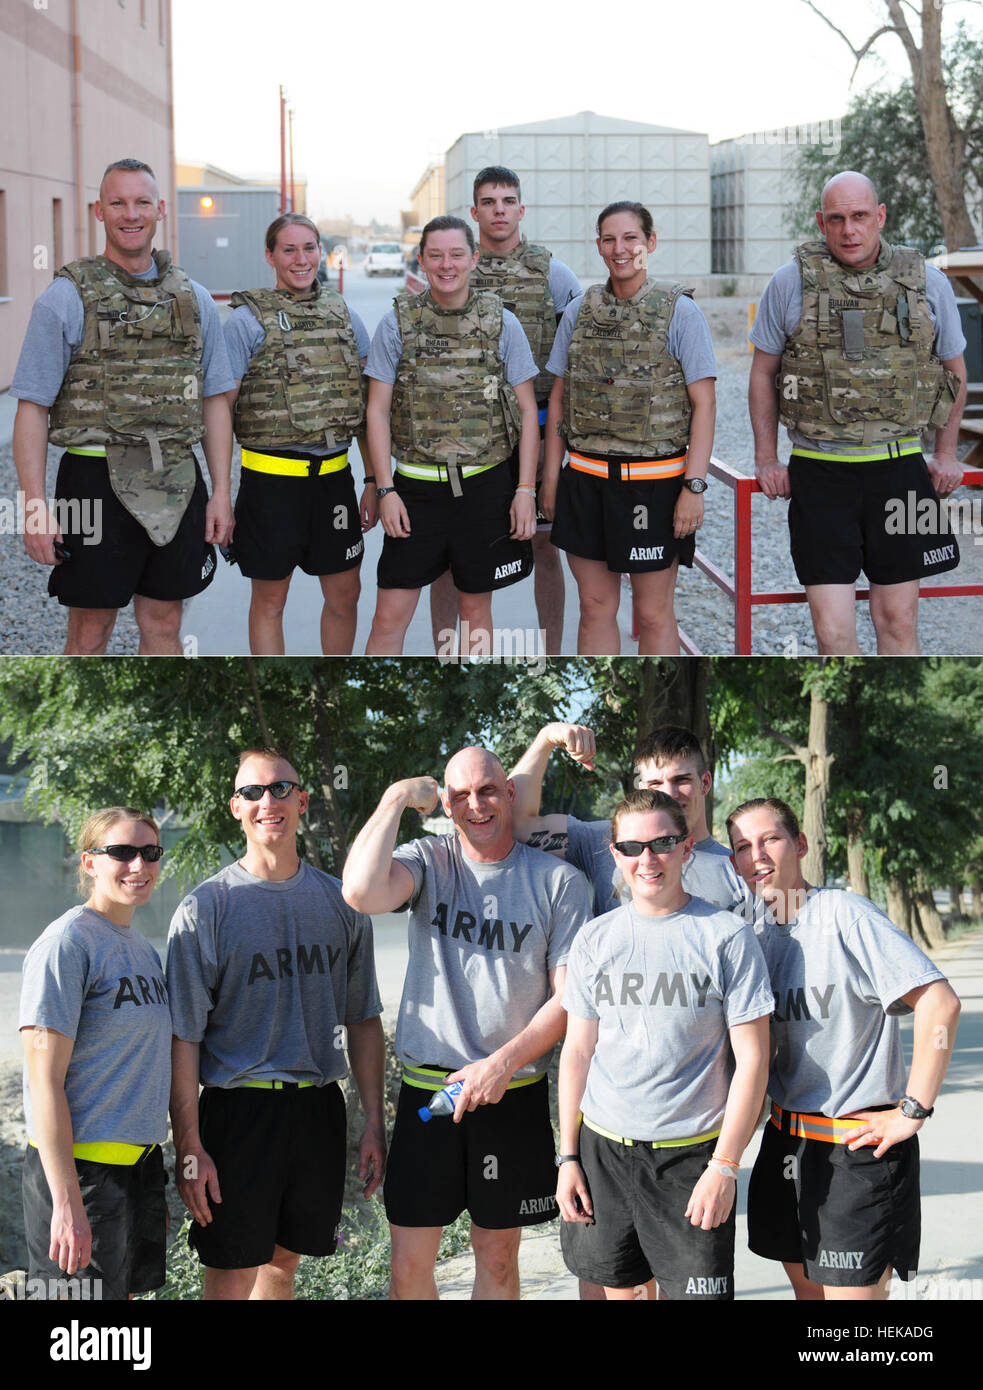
column 436, row 344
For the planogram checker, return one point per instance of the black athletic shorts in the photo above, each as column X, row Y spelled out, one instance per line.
column 285, row 523
column 125, row 561
column 498, row 1163
column 845, row 1216
column 639, row 1195
column 848, row 517
column 280, row 1157
column 628, row 525
column 468, row 534
column 127, row 1214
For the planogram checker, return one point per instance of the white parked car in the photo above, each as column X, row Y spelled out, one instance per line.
column 384, row 258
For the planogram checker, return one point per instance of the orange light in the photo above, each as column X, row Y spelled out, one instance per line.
column 207, row 202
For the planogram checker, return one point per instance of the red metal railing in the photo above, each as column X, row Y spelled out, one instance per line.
column 739, row 590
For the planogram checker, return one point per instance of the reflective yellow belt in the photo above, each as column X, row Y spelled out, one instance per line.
column 437, row 472
column 278, row 1085
column 124, row 1155
column 435, row 1078
column 632, row 470
column 95, row 453
column 885, row 451
column 292, row 468
column 650, row 1143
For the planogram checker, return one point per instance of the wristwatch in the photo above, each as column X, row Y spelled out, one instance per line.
column 560, row 1159
column 695, row 484
column 911, row 1109
column 382, row 492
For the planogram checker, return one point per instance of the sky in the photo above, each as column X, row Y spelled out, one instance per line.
column 380, row 89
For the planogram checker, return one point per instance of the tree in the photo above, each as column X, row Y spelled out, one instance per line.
column 949, row 130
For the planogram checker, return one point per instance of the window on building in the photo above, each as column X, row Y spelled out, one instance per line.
column 3, row 245
column 57, row 234
column 93, row 231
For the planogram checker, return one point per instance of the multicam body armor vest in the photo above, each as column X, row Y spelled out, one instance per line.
column 521, row 279
column 622, row 391
column 304, row 388
column 135, row 386
column 860, row 367
column 451, row 402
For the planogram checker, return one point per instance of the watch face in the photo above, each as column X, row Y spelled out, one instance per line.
column 695, row 484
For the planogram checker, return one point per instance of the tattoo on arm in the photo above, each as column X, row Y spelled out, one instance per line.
column 551, row 841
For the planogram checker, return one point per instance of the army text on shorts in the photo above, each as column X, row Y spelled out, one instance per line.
column 497, row 1164
column 124, row 561
column 306, row 519
column 842, row 519
column 604, row 513
column 639, row 1194
column 467, row 534
column 844, row 1216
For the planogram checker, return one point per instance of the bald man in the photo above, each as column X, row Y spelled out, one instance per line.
column 858, row 349
column 491, row 924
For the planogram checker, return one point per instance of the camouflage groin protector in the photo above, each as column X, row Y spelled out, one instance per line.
column 135, row 386
column 622, row 390
column 304, row 388
column 451, row 400
column 521, row 280
column 860, row 367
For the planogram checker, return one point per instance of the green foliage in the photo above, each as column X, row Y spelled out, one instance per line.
column 882, row 137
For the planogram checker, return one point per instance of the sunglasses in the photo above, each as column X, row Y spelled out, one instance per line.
column 280, row 790
column 633, row 848
column 125, row 853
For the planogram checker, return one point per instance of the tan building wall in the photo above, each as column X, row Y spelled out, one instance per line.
column 63, row 121
column 427, row 198
column 210, row 176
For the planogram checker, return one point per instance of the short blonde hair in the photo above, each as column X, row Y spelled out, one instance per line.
column 94, row 830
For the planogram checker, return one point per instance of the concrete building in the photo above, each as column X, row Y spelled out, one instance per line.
column 81, row 85
column 752, row 190
column 571, row 167
column 427, row 198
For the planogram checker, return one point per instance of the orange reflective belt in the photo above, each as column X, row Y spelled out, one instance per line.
column 830, row 1130
column 632, row 470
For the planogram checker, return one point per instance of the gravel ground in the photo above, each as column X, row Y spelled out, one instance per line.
column 31, row 623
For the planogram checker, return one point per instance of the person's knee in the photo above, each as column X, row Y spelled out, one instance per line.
column 269, row 604
column 160, row 621
column 89, row 629
column 496, row 1253
column 341, row 593
column 285, row 1261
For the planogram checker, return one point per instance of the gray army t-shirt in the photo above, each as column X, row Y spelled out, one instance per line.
column 103, row 986
column 665, row 991
column 54, row 335
column 263, row 974
column 245, row 335
column 838, row 973
column 483, row 939
column 780, row 310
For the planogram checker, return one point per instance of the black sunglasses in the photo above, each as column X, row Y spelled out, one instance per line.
column 633, row 848
column 124, row 853
column 280, row 790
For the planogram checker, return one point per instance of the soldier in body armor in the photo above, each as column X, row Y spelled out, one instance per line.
column 634, row 402
column 536, row 287
column 124, row 364
column 297, row 353
column 858, row 348
column 450, row 373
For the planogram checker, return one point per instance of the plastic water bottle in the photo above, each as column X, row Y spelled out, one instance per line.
column 443, row 1102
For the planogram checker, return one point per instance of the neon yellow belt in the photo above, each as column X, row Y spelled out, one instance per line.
column 94, row 453
column 278, row 1085
column 292, row 468
column 124, row 1155
column 650, row 1143
column 435, row 1078
column 879, row 455
column 437, row 472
